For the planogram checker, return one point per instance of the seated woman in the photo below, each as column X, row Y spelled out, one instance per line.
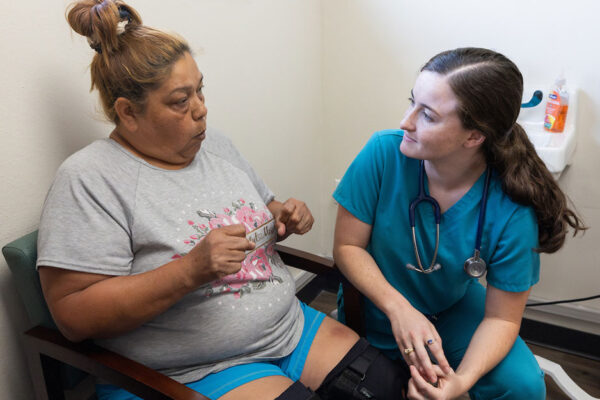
column 459, row 143
column 157, row 242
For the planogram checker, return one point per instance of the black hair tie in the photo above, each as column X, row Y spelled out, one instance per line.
column 124, row 14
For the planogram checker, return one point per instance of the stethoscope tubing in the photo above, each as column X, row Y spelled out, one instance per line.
column 422, row 196
column 482, row 209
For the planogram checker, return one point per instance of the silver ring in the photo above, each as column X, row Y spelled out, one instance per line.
column 430, row 342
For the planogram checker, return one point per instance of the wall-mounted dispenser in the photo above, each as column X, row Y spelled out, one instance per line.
column 555, row 149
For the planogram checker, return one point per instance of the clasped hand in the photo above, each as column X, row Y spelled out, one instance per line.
column 449, row 385
column 417, row 339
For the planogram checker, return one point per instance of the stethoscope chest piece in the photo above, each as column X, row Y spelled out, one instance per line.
column 475, row 266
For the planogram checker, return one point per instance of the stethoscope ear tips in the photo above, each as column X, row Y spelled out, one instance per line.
column 436, row 267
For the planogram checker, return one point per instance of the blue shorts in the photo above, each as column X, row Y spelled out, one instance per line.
column 217, row 384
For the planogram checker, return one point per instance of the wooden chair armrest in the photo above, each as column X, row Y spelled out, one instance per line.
column 111, row 367
column 305, row 260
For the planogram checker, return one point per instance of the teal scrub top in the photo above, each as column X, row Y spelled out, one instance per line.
column 377, row 189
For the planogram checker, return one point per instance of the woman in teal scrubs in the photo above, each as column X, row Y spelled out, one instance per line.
column 461, row 121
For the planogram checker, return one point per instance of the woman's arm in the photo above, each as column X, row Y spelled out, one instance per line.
column 411, row 328
column 350, row 241
column 495, row 335
column 86, row 305
column 491, row 342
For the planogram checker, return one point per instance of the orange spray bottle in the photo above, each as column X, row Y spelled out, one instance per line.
column 557, row 106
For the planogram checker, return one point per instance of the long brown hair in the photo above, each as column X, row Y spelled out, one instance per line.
column 489, row 88
column 131, row 59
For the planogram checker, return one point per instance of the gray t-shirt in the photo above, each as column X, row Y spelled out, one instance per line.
column 109, row 212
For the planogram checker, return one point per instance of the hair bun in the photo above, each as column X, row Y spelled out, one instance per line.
column 102, row 22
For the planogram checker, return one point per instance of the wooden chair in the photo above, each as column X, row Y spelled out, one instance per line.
column 57, row 364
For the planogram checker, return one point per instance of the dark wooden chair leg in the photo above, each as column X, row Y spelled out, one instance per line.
column 38, row 377
column 51, row 369
column 353, row 308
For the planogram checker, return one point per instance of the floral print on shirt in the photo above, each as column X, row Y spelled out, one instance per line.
column 257, row 268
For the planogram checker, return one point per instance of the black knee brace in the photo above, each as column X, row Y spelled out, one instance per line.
column 366, row 374
column 298, row 392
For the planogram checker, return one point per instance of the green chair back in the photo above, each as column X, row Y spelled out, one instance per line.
column 21, row 256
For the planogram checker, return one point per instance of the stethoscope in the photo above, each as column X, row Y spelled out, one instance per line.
column 474, row 266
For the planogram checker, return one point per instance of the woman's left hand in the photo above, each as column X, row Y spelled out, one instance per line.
column 291, row 216
column 449, row 386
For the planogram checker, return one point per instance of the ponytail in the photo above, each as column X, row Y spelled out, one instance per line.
column 526, row 180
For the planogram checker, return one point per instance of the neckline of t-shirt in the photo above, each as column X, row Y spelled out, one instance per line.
column 473, row 194
column 145, row 163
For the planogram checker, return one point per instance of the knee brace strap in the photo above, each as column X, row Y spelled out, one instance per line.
column 298, row 392
column 365, row 374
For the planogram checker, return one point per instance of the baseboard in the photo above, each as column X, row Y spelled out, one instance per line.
column 570, row 315
column 572, row 341
column 570, row 327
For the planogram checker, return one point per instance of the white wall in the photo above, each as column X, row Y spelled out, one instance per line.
column 299, row 86
column 372, row 51
column 262, row 63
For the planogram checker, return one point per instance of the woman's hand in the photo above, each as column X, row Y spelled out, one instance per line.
column 219, row 253
column 414, row 334
column 449, row 386
column 292, row 216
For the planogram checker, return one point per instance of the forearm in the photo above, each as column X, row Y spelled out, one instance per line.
column 362, row 271
column 491, row 342
column 119, row 304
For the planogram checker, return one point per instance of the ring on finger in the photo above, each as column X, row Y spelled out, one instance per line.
column 408, row 350
column 430, row 341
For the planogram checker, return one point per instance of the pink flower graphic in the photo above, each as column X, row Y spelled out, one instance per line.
column 251, row 219
column 222, row 220
column 256, row 268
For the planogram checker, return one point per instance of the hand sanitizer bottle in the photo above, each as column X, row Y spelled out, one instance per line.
column 557, row 106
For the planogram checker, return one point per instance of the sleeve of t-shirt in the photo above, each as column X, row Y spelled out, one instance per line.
column 358, row 191
column 223, row 147
column 514, row 265
column 84, row 225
